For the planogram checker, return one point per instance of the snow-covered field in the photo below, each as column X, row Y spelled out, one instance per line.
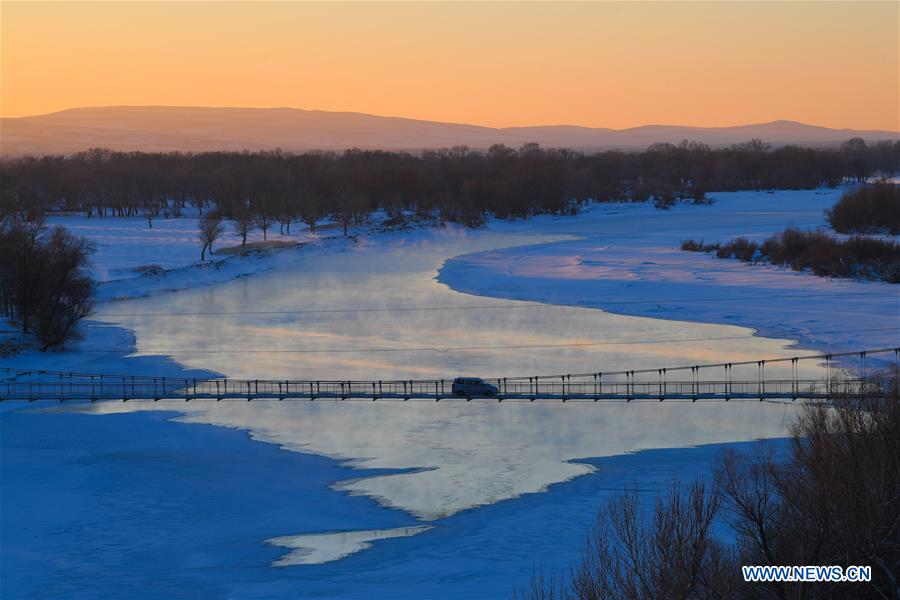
column 489, row 480
column 132, row 259
column 627, row 260
column 124, row 244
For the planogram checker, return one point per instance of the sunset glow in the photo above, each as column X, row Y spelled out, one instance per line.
column 604, row 64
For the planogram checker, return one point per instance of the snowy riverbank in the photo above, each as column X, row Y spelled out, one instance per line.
column 627, row 260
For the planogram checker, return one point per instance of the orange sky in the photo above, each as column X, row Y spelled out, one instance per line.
column 607, row 64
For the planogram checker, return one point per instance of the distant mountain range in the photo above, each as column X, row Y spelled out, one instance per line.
column 164, row 128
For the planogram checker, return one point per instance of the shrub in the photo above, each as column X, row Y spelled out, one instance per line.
column 148, row 270
column 692, row 246
column 824, row 255
column 740, row 248
column 869, row 209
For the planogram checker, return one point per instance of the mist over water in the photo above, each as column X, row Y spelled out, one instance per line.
column 377, row 312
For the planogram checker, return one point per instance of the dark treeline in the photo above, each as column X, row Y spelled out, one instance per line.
column 455, row 184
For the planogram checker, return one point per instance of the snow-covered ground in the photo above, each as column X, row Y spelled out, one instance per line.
column 627, row 260
column 132, row 259
column 384, row 305
column 125, row 244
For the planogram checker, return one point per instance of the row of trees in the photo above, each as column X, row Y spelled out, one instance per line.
column 834, row 499
column 45, row 280
column 458, row 184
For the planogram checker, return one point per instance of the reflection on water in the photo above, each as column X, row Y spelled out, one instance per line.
column 337, row 317
column 471, row 454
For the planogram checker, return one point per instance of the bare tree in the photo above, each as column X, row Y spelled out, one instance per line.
column 23, row 267
column 67, row 288
column 345, row 206
column 211, row 229
column 311, row 210
column 263, row 220
column 151, row 211
column 45, row 279
column 632, row 554
column 242, row 221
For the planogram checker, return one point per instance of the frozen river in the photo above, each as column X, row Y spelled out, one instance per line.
column 378, row 310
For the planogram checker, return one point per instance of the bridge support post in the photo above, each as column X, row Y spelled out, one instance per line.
column 695, row 385
column 727, row 382
column 761, row 383
column 862, row 382
column 795, row 385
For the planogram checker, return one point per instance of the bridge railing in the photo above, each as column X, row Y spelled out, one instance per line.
column 126, row 388
column 715, row 381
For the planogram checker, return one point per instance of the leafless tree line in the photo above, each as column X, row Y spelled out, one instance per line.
column 261, row 189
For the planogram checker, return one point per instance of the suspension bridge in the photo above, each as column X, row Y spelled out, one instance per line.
column 693, row 383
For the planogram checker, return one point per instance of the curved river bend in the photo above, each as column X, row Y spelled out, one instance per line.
column 377, row 312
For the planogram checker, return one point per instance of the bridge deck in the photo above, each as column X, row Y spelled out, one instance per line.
column 101, row 388
column 641, row 384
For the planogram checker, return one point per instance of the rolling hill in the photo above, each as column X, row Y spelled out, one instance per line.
column 163, row 128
